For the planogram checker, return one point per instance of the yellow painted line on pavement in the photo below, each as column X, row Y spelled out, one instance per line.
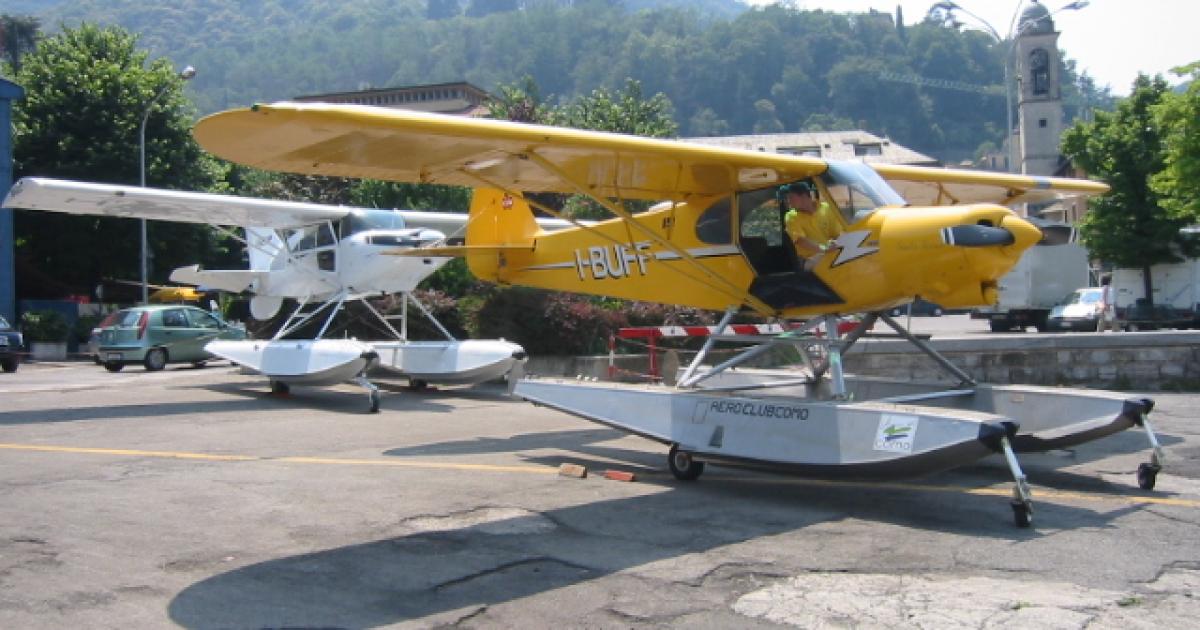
column 126, row 452
column 1039, row 492
column 291, row 460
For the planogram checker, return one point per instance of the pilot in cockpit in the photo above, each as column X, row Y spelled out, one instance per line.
column 811, row 225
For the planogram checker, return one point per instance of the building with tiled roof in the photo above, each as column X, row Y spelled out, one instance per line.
column 461, row 98
column 831, row 145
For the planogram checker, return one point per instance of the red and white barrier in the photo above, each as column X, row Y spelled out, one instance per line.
column 652, row 333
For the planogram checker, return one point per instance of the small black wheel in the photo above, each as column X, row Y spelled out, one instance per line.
column 9, row 365
column 682, row 465
column 199, row 364
column 1147, row 475
column 156, row 359
column 113, row 366
column 280, row 388
column 999, row 326
column 375, row 401
column 1022, row 513
column 418, row 384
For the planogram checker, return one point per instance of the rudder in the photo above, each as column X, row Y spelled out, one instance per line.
column 498, row 219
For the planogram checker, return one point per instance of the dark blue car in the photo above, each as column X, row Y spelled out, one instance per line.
column 10, row 347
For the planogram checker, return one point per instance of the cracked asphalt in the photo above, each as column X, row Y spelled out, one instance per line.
column 192, row 498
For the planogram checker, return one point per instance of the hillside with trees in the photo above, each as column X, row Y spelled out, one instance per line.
column 724, row 68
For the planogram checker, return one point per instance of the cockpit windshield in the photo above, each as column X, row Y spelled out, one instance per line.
column 361, row 220
column 857, row 189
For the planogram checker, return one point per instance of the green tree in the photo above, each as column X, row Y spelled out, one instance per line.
column 622, row 111
column 519, row 102
column 18, row 37
column 1129, row 227
column 86, row 92
column 1179, row 181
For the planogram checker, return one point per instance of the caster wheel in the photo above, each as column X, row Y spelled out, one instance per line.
column 280, row 388
column 374, row 402
column 1022, row 513
column 1147, row 475
column 418, row 385
column 682, row 465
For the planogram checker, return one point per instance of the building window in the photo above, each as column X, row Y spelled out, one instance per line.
column 810, row 151
column 1039, row 68
column 1042, row 123
column 868, row 149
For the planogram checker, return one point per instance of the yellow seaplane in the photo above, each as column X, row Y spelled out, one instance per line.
column 708, row 227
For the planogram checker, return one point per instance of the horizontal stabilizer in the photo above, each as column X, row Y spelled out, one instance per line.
column 233, row 280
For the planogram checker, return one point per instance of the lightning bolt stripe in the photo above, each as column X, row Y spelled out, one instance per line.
column 850, row 247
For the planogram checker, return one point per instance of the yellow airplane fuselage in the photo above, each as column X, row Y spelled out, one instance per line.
column 882, row 260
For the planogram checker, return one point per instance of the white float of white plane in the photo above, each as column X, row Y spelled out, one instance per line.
column 320, row 255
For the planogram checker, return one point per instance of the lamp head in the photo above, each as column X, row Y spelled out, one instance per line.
column 187, row 73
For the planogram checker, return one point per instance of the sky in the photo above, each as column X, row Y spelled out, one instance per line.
column 1111, row 39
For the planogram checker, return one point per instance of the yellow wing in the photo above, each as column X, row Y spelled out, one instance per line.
column 408, row 146
column 922, row 186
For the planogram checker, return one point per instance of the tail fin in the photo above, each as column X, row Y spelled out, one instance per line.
column 263, row 248
column 497, row 219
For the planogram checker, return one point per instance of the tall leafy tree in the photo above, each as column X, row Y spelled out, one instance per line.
column 18, row 37
column 1179, row 181
column 86, row 92
column 1129, row 227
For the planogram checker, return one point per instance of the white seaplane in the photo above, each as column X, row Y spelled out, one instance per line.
column 321, row 256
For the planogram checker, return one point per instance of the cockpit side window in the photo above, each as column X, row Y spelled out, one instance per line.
column 714, row 225
column 759, row 216
column 313, row 236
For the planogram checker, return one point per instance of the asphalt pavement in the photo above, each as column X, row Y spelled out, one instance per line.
column 193, row 498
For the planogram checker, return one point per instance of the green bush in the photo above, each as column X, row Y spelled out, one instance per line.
column 48, row 326
column 547, row 323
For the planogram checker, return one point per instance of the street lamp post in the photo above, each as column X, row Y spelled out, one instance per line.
column 185, row 74
column 1014, row 31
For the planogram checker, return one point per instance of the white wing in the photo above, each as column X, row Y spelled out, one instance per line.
column 56, row 195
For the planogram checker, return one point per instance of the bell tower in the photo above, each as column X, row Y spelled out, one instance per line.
column 1039, row 104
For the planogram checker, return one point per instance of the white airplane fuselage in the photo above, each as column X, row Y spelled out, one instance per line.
column 355, row 266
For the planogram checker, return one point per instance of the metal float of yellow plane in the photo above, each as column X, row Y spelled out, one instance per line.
column 717, row 239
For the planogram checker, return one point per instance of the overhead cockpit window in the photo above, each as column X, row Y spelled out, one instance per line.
column 857, row 190
column 361, row 220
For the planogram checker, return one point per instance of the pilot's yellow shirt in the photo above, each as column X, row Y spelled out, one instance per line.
column 820, row 227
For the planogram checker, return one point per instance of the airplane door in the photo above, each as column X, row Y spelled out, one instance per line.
column 761, row 233
column 316, row 246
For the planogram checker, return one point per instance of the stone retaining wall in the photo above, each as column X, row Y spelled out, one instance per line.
column 1142, row 361
column 1139, row 361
